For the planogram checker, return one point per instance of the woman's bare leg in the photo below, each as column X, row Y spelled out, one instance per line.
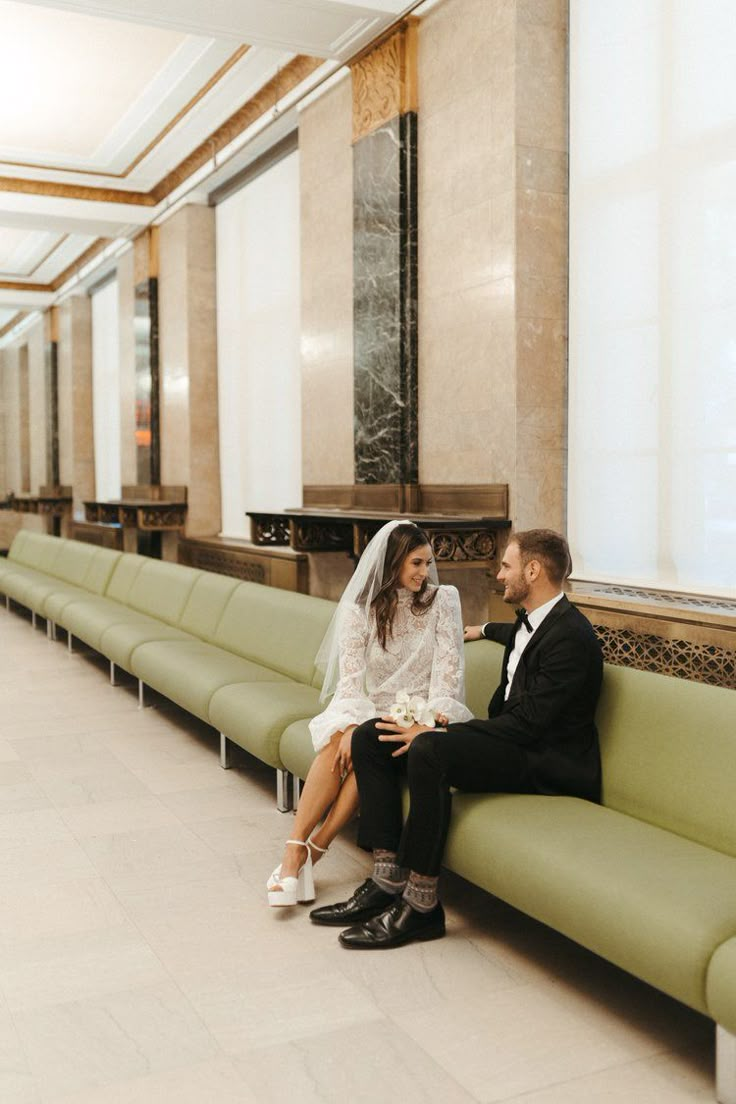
column 343, row 809
column 320, row 790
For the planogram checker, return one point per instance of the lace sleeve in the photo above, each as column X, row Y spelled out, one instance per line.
column 447, row 682
column 350, row 703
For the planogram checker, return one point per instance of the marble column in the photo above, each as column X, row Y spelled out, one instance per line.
column 188, row 348
column 52, row 399
column 77, row 454
column 147, row 389
column 385, row 270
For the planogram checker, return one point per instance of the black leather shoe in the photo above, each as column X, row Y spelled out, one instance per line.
column 367, row 901
column 399, row 924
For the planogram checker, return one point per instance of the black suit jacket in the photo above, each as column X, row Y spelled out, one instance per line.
column 550, row 710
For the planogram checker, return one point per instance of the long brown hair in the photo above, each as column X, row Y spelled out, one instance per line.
column 403, row 540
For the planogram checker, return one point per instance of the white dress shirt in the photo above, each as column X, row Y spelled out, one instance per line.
column 523, row 636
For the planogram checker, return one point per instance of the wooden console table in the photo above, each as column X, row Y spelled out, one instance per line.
column 457, row 541
column 140, row 517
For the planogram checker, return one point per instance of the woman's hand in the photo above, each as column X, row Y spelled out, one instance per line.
column 343, row 761
column 441, row 719
column 395, row 734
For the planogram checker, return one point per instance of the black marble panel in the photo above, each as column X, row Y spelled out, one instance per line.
column 147, row 401
column 385, row 303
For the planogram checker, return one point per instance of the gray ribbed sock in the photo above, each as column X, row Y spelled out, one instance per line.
column 387, row 874
column 421, row 892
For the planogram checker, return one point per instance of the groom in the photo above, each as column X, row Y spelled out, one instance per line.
column 540, row 737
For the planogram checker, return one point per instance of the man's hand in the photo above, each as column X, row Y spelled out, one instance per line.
column 473, row 632
column 343, row 761
column 395, row 734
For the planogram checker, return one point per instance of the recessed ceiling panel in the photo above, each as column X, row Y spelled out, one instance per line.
column 321, row 28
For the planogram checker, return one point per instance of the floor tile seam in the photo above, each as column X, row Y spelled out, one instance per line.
column 166, row 969
column 643, row 1060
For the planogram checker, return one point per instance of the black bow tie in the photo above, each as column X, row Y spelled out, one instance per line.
column 522, row 618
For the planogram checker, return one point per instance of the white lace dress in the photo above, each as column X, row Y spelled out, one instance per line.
column 423, row 656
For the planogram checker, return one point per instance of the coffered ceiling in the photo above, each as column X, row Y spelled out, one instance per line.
column 110, row 110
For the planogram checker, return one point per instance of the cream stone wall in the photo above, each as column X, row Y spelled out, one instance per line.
column 326, row 171
column 467, row 390
column 11, row 396
column 493, row 250
column 75, row 394
column 541, row 265
column 188, row 364
column 35, row 339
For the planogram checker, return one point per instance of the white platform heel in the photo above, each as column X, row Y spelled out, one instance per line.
column 302, row 889
column 289, row 891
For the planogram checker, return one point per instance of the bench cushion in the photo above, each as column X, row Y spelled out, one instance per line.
column 119, row 641
column 277, row 628
column 206, row 603
column 254, row 715
column 646, row 899
column 296, row 749
column 89, row 617
column 668, row 748
column 161, row 590
column 721, row 986
column 190, row 673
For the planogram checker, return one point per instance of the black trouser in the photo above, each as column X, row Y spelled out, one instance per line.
column 467, row 756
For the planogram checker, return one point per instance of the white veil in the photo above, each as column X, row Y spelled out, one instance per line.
column 360, row 591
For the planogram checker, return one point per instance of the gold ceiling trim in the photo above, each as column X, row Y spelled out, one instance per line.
column 43, row 260
column 18, row 317
column 89, row 253
column 18, row 285
column 192, row 103
column 267, row 97
column 75, row 191
column 215, row 79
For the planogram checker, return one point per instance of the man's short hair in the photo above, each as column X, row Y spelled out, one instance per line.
column 550, row 548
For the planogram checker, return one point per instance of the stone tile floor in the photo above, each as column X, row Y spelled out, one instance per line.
column 139, row 962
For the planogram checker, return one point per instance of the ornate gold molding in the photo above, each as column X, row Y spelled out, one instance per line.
column 385, row 81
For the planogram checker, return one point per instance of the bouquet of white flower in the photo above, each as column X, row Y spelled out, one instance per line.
column 407, row 711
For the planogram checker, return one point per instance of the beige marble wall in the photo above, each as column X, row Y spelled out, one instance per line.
column 326, row 172
column 188, row 358
column 466, row 173
column 36, row 338
column 75, row 395
column 493, row 250
column 541, row 264
column 11, row 396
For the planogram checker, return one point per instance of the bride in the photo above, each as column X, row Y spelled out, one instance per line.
column 396, row 632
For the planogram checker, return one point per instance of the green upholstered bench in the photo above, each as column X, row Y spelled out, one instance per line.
column 238, row 655
column 647, row 879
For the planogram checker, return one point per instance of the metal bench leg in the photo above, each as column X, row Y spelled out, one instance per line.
column 224, row 752
column 69, row 643
column 297, row 791
column 112, row 674
column 141, row 699
column 33, row 619
column 52, row 629
column 7, row 601
column 283, row 804
column 725, row 1066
